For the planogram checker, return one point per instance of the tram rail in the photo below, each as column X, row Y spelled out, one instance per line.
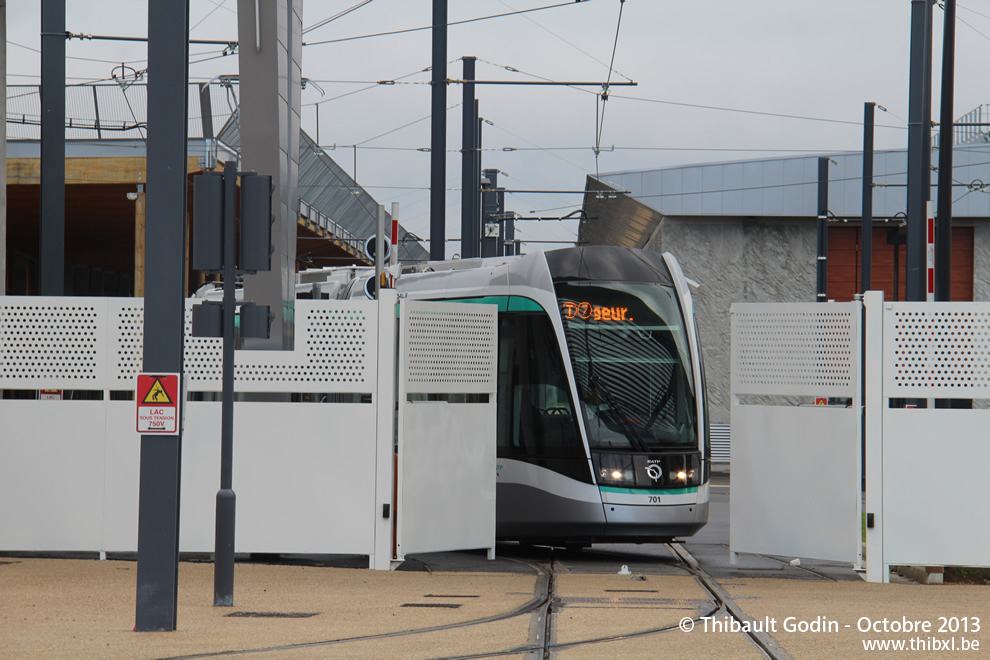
column 542, row 607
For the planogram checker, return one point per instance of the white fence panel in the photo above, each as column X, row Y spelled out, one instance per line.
column 98, row 343
column 302, row 475
column 306, row 475
column 936, row 350
column 796, row 482
column 936, row 488
column 447, row 446
column 447, row 453
column 54, row 343
column 926, row 485
column 796, row 469
column 796, row 349
column 335, row 351
column 51, row 475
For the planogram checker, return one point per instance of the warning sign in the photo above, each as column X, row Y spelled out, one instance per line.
column 157, row 393
column 158, row 404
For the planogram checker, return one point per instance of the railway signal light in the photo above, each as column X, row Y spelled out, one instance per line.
column 208, row 222
column 256, row 320
column 256, row 223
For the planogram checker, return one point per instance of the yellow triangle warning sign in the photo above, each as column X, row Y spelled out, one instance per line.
column 157, row 393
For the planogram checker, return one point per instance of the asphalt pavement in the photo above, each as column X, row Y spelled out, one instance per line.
column 609, row 601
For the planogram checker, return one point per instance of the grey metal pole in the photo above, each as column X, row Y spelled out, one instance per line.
column 51, row 249
column 943, row 216
column 438, row 134
column 510, row 229
column 469, row 182
column 919, row 142
column 379, row 248
column 821, row 294
column 489, row 211
column 3, row 152
column 164, row 308
column 476, row 178
column 866, row 240
column 223, row 566
column 504, row 222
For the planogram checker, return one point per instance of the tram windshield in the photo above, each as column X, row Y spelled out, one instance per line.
column 629, row 349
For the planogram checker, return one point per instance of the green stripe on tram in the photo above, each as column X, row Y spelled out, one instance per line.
column 505, row 303
column 649, row 491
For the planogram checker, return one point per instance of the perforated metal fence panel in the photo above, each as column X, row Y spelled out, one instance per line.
column 53, row 343
column 449, row 348
column 938, row 351
column 98, row 343
column 795, row 349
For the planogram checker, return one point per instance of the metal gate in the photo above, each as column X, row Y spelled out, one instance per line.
column 447, row 383
column 314, row 433
column 796, row 488
column 926, row 484
column 795, row 465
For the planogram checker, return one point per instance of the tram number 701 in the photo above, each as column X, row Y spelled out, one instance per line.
column 654, row 499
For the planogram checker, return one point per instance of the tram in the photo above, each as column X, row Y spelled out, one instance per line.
column 602, row 430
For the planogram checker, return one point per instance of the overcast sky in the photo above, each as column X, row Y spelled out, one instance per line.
column 792, row 57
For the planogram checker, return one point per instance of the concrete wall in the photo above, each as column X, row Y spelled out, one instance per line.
column 764, row 260
column 981, row 261
column 736, row 260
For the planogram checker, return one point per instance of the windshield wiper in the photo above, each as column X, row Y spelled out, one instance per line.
column 635, row 439
column 595, row 387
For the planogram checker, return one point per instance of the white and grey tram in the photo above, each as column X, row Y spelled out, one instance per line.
column 602, row 413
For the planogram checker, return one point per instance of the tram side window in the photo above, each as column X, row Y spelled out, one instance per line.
column 536, row 420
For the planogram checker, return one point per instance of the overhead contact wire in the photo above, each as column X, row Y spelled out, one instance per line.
column 604, row 95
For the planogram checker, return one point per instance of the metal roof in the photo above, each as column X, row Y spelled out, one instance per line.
column 333, row 197
column 788, row 187
column 329, row 197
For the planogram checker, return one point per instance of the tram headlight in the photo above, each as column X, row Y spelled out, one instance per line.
column 687, row 473
column 627, row 470
column 616, row 470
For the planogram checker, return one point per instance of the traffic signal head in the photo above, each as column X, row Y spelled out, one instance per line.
column 256, row 223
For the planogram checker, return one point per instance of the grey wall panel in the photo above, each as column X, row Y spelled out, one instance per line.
column 691, row 204
column 652, row 182
column 634, row 182
column 693, row 180
column 890, row 167
column 848, row 187
column 787, row 187
column 732, row 182
column 773, row 193
column 809, row 192
column 672, row 182
column 752, row 188
column 795, row 182
column 691, row 185
column 711, row 203
column 671, row 201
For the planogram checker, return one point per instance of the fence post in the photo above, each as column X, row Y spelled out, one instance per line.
column 384, row 401
column 876, row 569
